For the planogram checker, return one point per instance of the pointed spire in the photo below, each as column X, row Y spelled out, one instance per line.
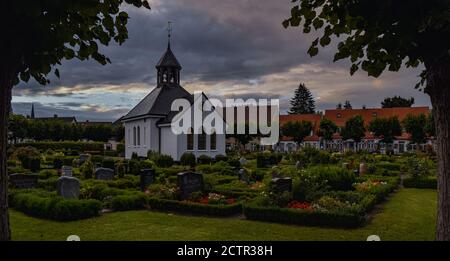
column 32, row 110
column 169, row 33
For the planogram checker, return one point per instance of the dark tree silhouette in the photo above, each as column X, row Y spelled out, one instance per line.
column 396, row 102
column 303, row 101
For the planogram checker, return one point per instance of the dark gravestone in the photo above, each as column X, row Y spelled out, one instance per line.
column 189, row 182
column 298, row 165
column 104, row 174
column 243, row 176
column 84, row 158
column 147, row 177
column 68, row 187
column 23, row 181
column 281, row 185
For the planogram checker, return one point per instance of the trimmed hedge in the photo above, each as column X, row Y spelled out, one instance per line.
column 421, row 183
column 128, row 202
column 52, row 207
column 65, row 145
column 194, row 208
column 303, row 217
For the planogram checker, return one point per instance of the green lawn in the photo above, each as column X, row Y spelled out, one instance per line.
column 409, row 215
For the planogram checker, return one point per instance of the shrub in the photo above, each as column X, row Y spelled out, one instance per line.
column 128, row 202
column 421, row 183
column 58, row 163
column 308, row 188
column 120, row 169
column 204, row 159
column 87, row 169
column 145, row 164
column 44, row 205
column 195, row 208
column 66, row 145
column 108, row 163
column 234, row 162
column 188, row 159
column 164, row 161
column 48, row 184
column 303, row 217
column 47, row 173
column 227, row 172
column 221, row 157
column 134, row 166
column 336, row 178
column 257, row 175
column 134, row 156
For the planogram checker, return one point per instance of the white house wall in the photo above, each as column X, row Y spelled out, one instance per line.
column 148, row 137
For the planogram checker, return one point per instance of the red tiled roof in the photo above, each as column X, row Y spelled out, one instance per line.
column 312, row 138
column 339, row 117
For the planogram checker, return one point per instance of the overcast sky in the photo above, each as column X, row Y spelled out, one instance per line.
column 227, row 49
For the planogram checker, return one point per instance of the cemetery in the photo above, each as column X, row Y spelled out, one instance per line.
column 308, row 187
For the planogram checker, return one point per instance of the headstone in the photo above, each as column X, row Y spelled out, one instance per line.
column 242, row 160
column 98, row 165
column 84, row 158
column 23, row 181
column 346, row 165
column 298, row 165
column 68, row 187
column 243, row 176
column 281, row 185
column 104, row 174
column 147, row 177
column 189, row 182
column 362, row 169
column 275, row 172
column 66, row 171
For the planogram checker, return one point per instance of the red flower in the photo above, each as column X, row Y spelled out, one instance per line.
column 204, row 200
column 231, row 201
column 299, row 205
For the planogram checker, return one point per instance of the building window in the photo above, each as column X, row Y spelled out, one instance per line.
column 134, row 136
column 339, row 115
column 139, row 136
column 145, row 135
column 190, row 140
column 129, row 136
column 213, row 140
column 202, row 141
column 374, row 114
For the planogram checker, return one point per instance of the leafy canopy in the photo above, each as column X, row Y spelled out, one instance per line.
column 297, row 130
column 416, row 126
column 327, row 129
column 396, row 102
column 354, row 129
column 386, row 128
column 37, row 35
column 377, row 35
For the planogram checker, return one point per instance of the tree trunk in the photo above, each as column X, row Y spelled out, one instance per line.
column 438, row 87
column 6, row 83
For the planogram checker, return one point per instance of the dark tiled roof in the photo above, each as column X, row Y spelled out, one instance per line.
column 168, row 60
column 158, row 102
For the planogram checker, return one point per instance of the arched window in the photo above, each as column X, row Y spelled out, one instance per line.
column 190, row 139
column 139, row 136
column 202, row 141
column 134, row 136
column 213, row 144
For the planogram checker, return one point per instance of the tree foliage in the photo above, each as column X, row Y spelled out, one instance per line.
column 377, row 35
column 386, row 128
column 297, row 130
column 303, row 101
column 354, row 129
column 397, row 102
column 327, row 128
column 415, row 125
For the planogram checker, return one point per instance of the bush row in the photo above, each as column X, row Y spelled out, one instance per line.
column 65, row 145
column 194, row 208
column 421, row 183
column 48, row 206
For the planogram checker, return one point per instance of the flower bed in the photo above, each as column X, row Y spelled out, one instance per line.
column 345, row 209
column 194, row 208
